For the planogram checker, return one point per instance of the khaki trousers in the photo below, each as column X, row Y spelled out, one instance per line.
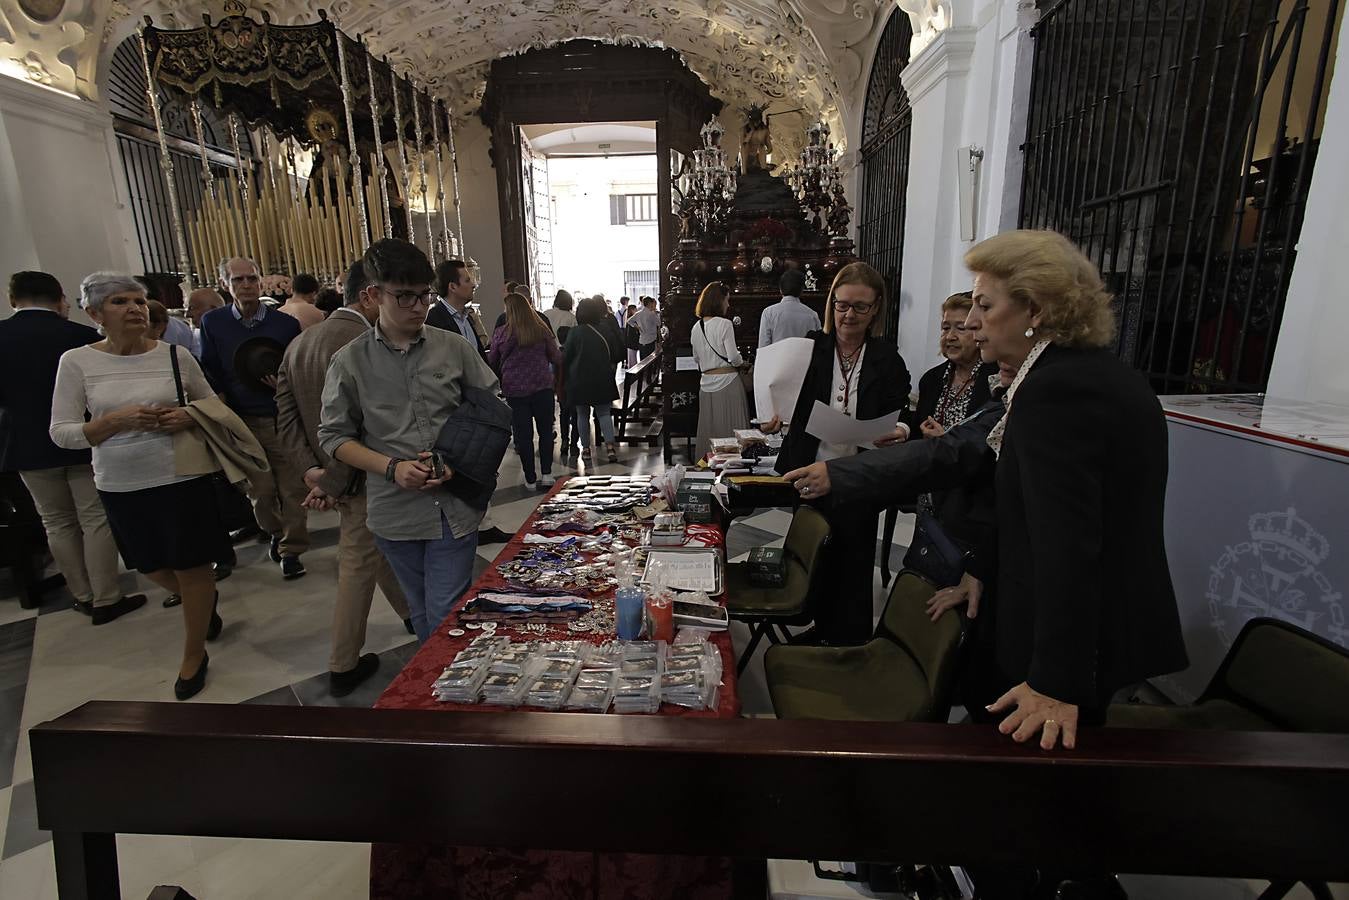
column 277, row 494
column 360, row 566
column 77, row 531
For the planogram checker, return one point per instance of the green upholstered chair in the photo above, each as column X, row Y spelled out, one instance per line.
column 766, row 609
column 904, row 674
column 1276, row 677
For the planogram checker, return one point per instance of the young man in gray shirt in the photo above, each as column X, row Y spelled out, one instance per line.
column 387, row 395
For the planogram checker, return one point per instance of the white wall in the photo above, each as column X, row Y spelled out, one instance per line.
column 1308, row 359
column 589, row 253
column 62, row 187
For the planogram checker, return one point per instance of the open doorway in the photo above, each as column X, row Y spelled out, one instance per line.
column 591, row 209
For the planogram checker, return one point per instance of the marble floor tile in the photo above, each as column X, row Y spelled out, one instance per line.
column 4, row 818
column 30, row 876
column 282, row 696
column 21, row 831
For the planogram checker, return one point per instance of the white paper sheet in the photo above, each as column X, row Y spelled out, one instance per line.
column 686, row 364
column 779, row 370
column 833, row 427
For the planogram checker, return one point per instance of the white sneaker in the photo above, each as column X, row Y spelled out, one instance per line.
column 547, row 481
column 532, row 485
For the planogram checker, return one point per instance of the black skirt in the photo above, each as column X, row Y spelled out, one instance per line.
column 175, row 526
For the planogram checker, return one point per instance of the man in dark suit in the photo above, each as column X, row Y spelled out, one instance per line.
column 456, row 286
column 451, row 312
column 299, row 402
column 60, row 481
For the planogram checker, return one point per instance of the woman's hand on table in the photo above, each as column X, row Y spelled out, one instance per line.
column 968, row 591
column 811, row 482
column 1035, row 712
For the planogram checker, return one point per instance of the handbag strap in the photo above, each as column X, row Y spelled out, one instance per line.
column 177, row 375
column 607, row 349
column 702, row 325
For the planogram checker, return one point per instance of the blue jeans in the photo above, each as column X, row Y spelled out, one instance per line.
column 526, row 413
column 433, row 574
column 604, row 417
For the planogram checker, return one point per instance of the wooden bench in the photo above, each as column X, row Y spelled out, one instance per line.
column 1225, row 804
column 635, row 419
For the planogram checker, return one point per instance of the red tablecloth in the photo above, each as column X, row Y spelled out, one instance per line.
column 435, row 870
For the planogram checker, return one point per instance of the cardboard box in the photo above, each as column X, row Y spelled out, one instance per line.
column 694, row 498
column 767, row 566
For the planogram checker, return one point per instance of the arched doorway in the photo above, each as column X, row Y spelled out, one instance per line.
column 886, row 126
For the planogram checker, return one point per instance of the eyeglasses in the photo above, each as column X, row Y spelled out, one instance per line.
column 843, row 306
column 408, row 299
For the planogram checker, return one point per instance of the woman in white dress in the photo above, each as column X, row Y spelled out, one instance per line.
column 721, row 395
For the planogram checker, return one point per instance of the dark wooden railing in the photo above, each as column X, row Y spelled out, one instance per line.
column 1186, row 803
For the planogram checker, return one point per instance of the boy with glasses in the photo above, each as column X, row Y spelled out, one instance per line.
column 386, row 397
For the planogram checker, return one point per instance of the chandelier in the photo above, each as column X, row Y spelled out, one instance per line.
column 709, row 188
column 818, row 183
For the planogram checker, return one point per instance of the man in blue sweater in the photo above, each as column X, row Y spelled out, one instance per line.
column 277, row 494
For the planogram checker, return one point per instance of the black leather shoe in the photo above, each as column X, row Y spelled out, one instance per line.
column 102, row 615
column 217, row 623
column 222, row 571
column 407, row 623
column 240, row 535
column 291, row 567
column 342, row 683
column 172, row 600
column 84, row 607
column 275, row 550
column 187, row 688
column 493, row 535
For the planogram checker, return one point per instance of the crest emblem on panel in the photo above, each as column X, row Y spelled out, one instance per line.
column 1276, row 573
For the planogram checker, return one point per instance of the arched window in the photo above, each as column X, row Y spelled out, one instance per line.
column 886, row 126
column 139, row 149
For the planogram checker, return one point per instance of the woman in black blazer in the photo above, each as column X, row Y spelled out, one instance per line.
column 1084, row 595
column 855, row 370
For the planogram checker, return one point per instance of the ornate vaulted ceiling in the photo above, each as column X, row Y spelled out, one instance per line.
column 785, row 54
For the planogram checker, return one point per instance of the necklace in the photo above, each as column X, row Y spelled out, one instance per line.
column 848, row 365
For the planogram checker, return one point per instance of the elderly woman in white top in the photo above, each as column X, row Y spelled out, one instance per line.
column 166, row 526
column 721, row 396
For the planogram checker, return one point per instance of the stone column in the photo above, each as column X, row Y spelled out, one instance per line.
column 1309, row 357
column 935, row 81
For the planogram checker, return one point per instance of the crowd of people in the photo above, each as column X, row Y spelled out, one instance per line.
column 1034, row 459
column 304, row 403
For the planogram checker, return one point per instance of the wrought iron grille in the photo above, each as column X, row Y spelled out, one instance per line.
column 1174, row 140
column 139, row 153
column 886, row 126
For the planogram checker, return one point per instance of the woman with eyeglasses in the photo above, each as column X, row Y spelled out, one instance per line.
column 861, row 374
column 721, row 395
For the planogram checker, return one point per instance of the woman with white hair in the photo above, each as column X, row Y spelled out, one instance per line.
column 166, row 526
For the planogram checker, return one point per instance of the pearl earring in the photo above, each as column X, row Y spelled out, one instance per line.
column 1030, row 332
